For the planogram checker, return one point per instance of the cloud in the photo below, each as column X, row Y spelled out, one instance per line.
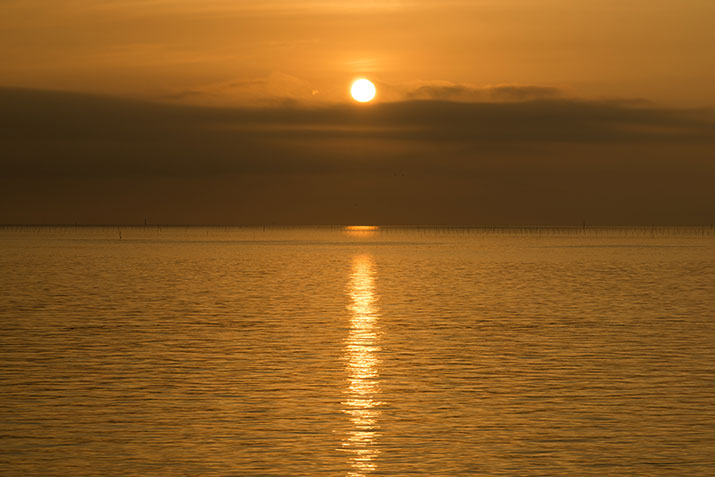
column 51, row 129
column 276, row 88
column 523, row 158
column 446, row 91
column 279, row 87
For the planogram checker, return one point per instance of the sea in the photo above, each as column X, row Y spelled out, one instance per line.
column 357, row 351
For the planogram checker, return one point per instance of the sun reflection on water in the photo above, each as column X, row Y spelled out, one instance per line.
column 362, row 365
column 361, row 232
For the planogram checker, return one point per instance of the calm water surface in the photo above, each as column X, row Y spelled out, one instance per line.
column 213, row 351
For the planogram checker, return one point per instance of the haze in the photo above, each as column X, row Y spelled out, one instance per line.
column 224, row 112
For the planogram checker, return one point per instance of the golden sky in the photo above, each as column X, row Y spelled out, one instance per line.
column 237, row 51
column 238, row 112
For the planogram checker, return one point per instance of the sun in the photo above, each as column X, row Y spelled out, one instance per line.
column 363, row 90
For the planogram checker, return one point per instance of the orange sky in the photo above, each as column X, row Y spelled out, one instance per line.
column 238, row 51
column 237, row 112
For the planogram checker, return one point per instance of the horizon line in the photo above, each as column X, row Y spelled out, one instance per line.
column 378, row 226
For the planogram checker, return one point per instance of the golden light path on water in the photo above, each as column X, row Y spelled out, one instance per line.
column 362, row 366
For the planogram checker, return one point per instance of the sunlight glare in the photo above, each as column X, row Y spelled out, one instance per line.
column 362, row 366
column 363, row 90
